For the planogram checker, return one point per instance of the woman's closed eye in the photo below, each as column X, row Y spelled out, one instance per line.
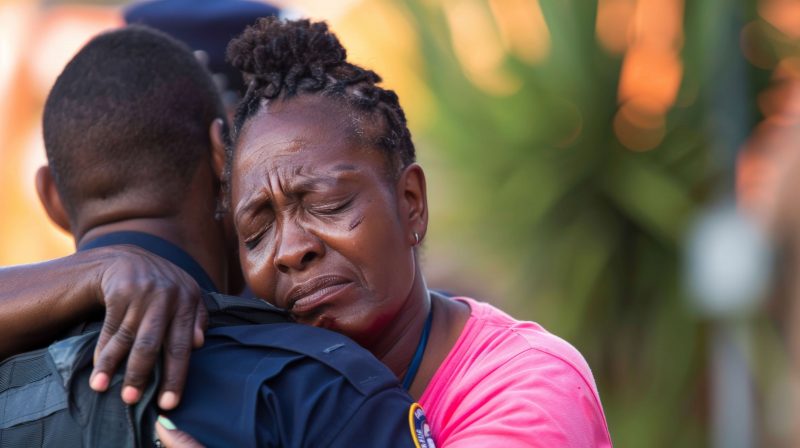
column 252, row 242
column 259, row 229
column 332, row 207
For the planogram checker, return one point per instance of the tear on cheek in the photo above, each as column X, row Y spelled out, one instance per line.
column 356, row 222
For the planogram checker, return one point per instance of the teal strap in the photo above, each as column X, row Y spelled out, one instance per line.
column 417, row 359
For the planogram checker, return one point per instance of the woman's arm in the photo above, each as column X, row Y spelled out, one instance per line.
column 39, row 302
column 149, row 303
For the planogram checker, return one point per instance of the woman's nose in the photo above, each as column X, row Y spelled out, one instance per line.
column 296, row 248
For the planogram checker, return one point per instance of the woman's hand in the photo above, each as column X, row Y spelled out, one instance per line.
column 172, row 437
column 152, row 308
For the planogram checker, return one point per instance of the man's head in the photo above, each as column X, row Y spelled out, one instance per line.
column 126, row 125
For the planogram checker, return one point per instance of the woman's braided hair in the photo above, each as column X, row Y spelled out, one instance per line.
column 280, row 59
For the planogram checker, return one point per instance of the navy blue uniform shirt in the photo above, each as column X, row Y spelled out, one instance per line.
column 282, row 384
column 286, row 385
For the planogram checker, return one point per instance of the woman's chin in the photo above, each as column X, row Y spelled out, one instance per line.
column 320, row 320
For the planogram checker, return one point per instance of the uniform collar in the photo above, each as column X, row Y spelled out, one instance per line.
column 157, row 246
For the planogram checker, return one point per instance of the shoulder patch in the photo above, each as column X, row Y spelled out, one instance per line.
column 420, row 430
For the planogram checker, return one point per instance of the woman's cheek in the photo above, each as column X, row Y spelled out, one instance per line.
column 258, row 273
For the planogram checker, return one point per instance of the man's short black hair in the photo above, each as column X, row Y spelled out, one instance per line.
column 129, row 115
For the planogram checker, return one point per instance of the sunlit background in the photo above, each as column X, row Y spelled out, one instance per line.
column 581, row 156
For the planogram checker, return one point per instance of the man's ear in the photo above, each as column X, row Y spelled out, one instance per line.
column 217, row 147
column 413, row 200
column 50, row 199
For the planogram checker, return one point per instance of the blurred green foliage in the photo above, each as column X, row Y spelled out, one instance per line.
column 587, row 233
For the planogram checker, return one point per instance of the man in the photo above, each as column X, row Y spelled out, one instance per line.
column 135, row 149
column 205, row 26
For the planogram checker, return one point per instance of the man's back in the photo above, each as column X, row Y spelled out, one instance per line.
column 290, row 385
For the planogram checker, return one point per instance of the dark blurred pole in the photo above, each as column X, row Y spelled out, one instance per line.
column 731, row 116
column 728, row 257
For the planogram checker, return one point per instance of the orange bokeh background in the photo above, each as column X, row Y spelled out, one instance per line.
column 37, row 41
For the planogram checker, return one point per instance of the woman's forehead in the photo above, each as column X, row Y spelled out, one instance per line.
column 308, row 109
column 306, row 135
column 293, row 149
column 294, row 155
column 288, row 126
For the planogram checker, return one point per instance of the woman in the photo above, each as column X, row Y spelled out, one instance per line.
column 330, row 209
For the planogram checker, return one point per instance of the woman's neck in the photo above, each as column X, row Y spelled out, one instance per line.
column 403, row 337
column 398, row 342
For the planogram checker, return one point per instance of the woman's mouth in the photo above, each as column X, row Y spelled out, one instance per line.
column 318, row 291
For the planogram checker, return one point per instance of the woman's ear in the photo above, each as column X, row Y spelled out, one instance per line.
column 50, row 199
column 413, row 197
column 215, row 132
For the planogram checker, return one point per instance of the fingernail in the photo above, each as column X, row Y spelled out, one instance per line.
column 166, row 423
column 199, row 338
column 168, row 400
column 130, row 394
column 99, row 382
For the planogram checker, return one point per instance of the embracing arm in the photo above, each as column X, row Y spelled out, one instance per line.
column 39, row 302
column 149, row 304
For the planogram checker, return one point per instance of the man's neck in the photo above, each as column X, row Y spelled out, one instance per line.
column 199, row 242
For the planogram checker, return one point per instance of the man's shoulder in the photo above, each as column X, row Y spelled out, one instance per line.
column 306, row 385
column 327, row 349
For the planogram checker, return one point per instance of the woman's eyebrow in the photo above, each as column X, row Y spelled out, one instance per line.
column 345, row 167
column 312, row 182
column 299, row 183
column 247, row 206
